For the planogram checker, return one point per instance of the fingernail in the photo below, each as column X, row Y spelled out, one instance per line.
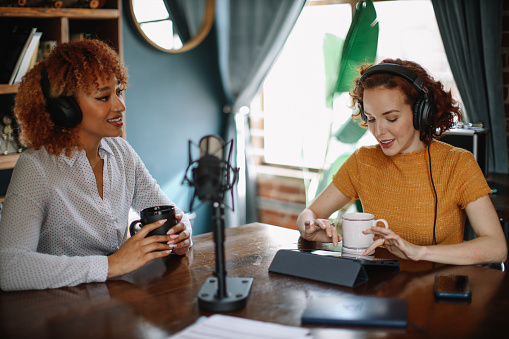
column 171, row 231
column 162, row 221
column 172, row 245
column 174, row 236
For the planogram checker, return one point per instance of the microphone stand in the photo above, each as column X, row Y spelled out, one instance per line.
column 221, row 293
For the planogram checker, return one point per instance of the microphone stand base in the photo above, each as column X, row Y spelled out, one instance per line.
column 237, row 292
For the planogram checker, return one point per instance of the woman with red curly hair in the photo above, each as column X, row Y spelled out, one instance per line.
column 424, row 188
column 65, row 217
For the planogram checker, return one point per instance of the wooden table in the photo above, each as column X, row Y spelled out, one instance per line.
column 161, row 298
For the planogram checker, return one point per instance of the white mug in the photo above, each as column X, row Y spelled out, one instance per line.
column 353, row 225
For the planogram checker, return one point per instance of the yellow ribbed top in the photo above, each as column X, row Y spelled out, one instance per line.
column 398, row 189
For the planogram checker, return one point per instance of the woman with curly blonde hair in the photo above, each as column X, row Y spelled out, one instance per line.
column 424, row 188
column 65, row 217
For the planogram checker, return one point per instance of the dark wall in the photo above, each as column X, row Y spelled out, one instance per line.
column 171, row 99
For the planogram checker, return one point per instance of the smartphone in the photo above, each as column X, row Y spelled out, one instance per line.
column 452, row 286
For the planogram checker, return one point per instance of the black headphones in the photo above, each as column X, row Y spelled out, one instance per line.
column 64, row 111
column 423, row 109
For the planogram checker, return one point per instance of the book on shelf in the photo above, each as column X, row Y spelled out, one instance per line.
column 27, row 57
column 14, row 38
column 34, row 60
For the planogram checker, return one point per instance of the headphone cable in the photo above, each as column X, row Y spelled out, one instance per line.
column 434, row 189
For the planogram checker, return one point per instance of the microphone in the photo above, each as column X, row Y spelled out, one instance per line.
column 207, row 176
column 212, row 176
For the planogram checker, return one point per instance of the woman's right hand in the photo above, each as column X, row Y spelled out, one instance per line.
column 310, row 223
column 139, row 250
column 322, row 230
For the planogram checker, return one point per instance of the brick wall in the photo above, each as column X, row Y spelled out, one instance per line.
column 280, row 199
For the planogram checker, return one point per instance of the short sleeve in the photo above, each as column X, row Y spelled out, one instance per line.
column 469, row 180
column 346, row 178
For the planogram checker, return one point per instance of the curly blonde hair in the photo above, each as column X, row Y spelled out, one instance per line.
column 446, row 107
column 71, row 67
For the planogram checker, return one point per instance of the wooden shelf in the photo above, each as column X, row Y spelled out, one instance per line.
column 71, row 13
column 9, row 89
column 8, row 161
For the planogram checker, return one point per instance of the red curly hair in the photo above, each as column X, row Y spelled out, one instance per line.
column 71, row 67
column 446, row 107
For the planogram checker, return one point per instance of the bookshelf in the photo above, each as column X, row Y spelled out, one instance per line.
column 60, row 24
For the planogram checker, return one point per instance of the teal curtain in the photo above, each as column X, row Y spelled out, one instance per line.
column 471, row 31
column 250, row 35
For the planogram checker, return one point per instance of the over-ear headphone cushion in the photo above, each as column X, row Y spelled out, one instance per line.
column 64, row 111
column 423, row 112
column 417, row 110
column 361, row 110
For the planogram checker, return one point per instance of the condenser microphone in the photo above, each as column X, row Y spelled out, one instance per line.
column 212, row 174
column 208, row 174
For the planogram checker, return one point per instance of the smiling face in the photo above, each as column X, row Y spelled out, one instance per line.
column 103, row 112
column 390, row 120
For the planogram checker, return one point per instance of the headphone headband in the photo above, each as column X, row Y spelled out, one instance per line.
column 397, row 70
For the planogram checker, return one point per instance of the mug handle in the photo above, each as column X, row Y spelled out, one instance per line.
column 381, row 220
column 132, row 231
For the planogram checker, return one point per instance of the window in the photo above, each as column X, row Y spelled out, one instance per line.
column 290, row 123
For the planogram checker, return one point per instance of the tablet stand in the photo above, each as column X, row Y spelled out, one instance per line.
column 333, row 270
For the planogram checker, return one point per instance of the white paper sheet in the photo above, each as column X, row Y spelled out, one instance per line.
column 228, row 327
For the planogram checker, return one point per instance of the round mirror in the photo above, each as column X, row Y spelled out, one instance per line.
column 172, row 26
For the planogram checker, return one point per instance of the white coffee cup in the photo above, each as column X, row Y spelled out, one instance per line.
column 353, row 225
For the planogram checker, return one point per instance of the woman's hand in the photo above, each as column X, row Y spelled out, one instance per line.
column 393, row 243
column 180, row 237
column 322, row 230
column 139, row 250
column 313, row 222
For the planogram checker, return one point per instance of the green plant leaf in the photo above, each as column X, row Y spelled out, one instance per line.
column 350, row 132
column 360, row 45
column 332, row 49
column 329, row 173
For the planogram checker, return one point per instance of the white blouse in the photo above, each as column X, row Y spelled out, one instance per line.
column 55, row 229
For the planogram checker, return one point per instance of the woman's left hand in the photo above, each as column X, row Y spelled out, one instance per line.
column 180, row 237
column 393, row 243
